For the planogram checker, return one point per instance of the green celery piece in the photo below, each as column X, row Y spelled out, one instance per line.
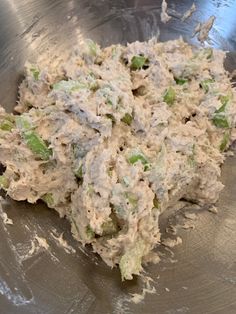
column 220, row 121
column 109, row 228
column 79, row 172
column 221, row 109
column 10, row 117
column 92, row 47
column 89, row 232
column 35, row 72
column 37, row 145
column 69, row 86
column 90, row 189
column 34, row 142
column 111, row 117
column 136, row 157
column 4, row 182
column 205, row 84
column 191, row 161
column 110, row 170
column 6, row 125
column 131, row 262
column 156, row 202
column 22, row 123
column 169, row 96
column 137, row 62
column 225, row 141
column 180, row 81
column 224, row 99
column 93, row 86
column 48, row 199
column 109, row 102
column 127, row 119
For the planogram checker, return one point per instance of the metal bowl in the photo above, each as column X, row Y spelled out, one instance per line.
column 201, row 277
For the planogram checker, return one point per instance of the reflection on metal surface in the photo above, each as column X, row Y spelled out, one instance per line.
column 204, row 278
column 226, row 23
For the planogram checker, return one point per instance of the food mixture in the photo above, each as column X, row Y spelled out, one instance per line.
column 111, row 138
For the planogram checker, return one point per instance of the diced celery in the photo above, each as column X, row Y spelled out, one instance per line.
column 156, row 202
column 205, row 84
column 37, row 145
column 69, row 86
column 137, row 62
column 48, row 199
column 219, row 118
column 34, row 142
column 169, row 96
column 89, row 232
column 109, row 102
column 127, row 119
column 109, row 228
column 6, row 125
column 93, row 86
column 35, row 72
column 136, row 157
column 4, row 182
column 93, row 47
column 10, row 117
column 220, row 121
column 131, row 262
column 224, row 99
column 111, row 117
column 225, row 142
column 22, row 123
column 79, row 172
column 180, row 81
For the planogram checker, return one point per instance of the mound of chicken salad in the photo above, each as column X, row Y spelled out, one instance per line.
column 112, row 137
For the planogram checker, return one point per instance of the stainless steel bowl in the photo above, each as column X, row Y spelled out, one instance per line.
column 203, row 280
